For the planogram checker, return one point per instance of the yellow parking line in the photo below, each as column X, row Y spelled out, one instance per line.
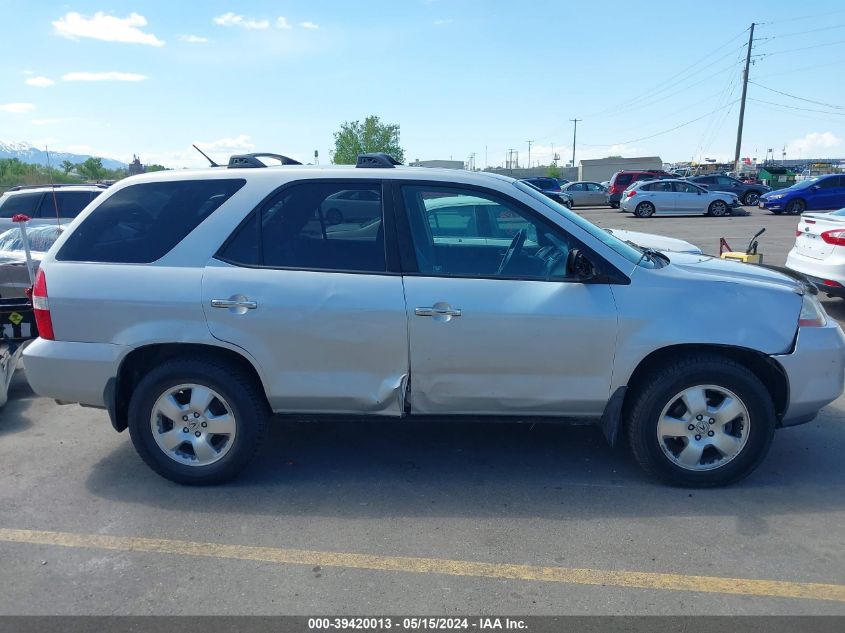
column 626, row 579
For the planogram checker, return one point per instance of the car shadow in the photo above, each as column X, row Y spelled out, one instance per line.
column 13, row 416
column 463, row 469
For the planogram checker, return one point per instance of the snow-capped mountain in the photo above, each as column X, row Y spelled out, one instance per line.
column 28, row 153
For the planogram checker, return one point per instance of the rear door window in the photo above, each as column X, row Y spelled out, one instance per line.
column 295, row 229
column 26, row 203
column 69, row 203
column 141, row 223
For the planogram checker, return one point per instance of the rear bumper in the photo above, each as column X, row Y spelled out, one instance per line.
column 819, row 270
column 815, row 370
column 72, row 372
column 613, row 198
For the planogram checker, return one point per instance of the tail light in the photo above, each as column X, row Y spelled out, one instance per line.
column 798, row 233
column 41, row 307
column 615, row 189
column 835, row 237
column 632, row 193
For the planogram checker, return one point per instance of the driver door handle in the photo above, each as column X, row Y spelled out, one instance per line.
column 437, row 312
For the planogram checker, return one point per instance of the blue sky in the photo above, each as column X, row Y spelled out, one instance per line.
column 151, row 77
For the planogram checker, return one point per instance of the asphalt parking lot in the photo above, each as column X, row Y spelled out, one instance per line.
column 411, row 518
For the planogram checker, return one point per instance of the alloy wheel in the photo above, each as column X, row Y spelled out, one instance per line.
column 193, row 425
column 703, row 427
column 751, row 199
column 718, row 208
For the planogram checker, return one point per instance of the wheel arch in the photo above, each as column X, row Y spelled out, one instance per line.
column 770, row 373
column 135, row 364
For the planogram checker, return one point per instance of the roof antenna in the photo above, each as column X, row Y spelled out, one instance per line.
column 53, row 188
column 213, row 164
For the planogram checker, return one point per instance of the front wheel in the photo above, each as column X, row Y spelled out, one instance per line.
column 717, row 208
column 644, row 210
column 751, row 199
column 796, row 207
column 701, row 421
column 197, row 421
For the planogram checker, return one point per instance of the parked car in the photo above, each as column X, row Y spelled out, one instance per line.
column 814, row 194
column 819, row 251
column 586, row 193
column 42, row 202
column 676, row 197
column 621, row 180
column 748, row 193
column 352, row 206
column 14, row 275
column 558, row 196
column 191, row 304
column 544, row 184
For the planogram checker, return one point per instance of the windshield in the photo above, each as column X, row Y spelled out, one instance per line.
column 806, row 183
column 627, row 250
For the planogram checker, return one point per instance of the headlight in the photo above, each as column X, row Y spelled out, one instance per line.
column 812, row 312
column 775, row 196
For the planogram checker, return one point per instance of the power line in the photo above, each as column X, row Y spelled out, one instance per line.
column 792, row 33
column 803, row 48
column 800, row 17
column 786, row 94
column 784, row 105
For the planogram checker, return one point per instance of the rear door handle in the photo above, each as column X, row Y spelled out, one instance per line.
column 234, row 303
column 438, row 310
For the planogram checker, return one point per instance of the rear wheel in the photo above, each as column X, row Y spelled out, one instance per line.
column 751, row 198
column 644, row 210
column 717, row 208
column 701, row 421
column 796, row 207
column 197, row 421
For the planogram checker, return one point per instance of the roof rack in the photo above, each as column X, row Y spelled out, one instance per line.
column 57, row 186
column 378, row 160
column 243, row 161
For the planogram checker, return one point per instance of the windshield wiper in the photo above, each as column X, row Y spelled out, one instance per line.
column 651, row 255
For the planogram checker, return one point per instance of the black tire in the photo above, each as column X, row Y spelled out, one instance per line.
column 657, row 390
column 644, row 210
column 796, row 207
column 776, row 211
column 751, row 198
column 334, row 216
column 718, row 209
column 244, row 397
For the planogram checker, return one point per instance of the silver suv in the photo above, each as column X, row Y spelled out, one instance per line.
column 46, row 204
column 191, row 305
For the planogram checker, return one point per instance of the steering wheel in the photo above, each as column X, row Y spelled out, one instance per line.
column 515, row 246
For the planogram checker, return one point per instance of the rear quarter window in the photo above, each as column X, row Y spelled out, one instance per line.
column 142, row 223
column 624, row 179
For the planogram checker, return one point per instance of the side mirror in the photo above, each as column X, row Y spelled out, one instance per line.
column 579, row 266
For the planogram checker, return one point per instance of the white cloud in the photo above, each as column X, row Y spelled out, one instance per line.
column 240, row 143
column 28, row 72
column 309, row 25
column 107, row 28
column 443, row 22
column 282, row 23
column 193, row 39
column 40, row 82
column 813, row 145
column 17, row 108
column 106, row 76
column 233, row 19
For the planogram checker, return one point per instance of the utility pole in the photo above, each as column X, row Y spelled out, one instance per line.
column 530, row 143
column 742, row 102
column 574, row 136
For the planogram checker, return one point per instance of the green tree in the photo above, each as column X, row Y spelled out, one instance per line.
column 372, row 135
column 553, row 171
column 92, row 168
column 150, row 168
column 67, row 166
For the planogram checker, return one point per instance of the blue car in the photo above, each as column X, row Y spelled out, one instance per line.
column 813, row 194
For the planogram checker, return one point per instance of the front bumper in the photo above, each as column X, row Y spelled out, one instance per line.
column 815, row 370
column 773, row 205
column 72, row 372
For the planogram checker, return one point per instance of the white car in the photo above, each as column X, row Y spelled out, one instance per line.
column 45, row 204
column 819, row 251
column 676, row 197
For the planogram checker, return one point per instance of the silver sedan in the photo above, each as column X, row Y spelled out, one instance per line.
column 586, row 193
column 676, row 197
